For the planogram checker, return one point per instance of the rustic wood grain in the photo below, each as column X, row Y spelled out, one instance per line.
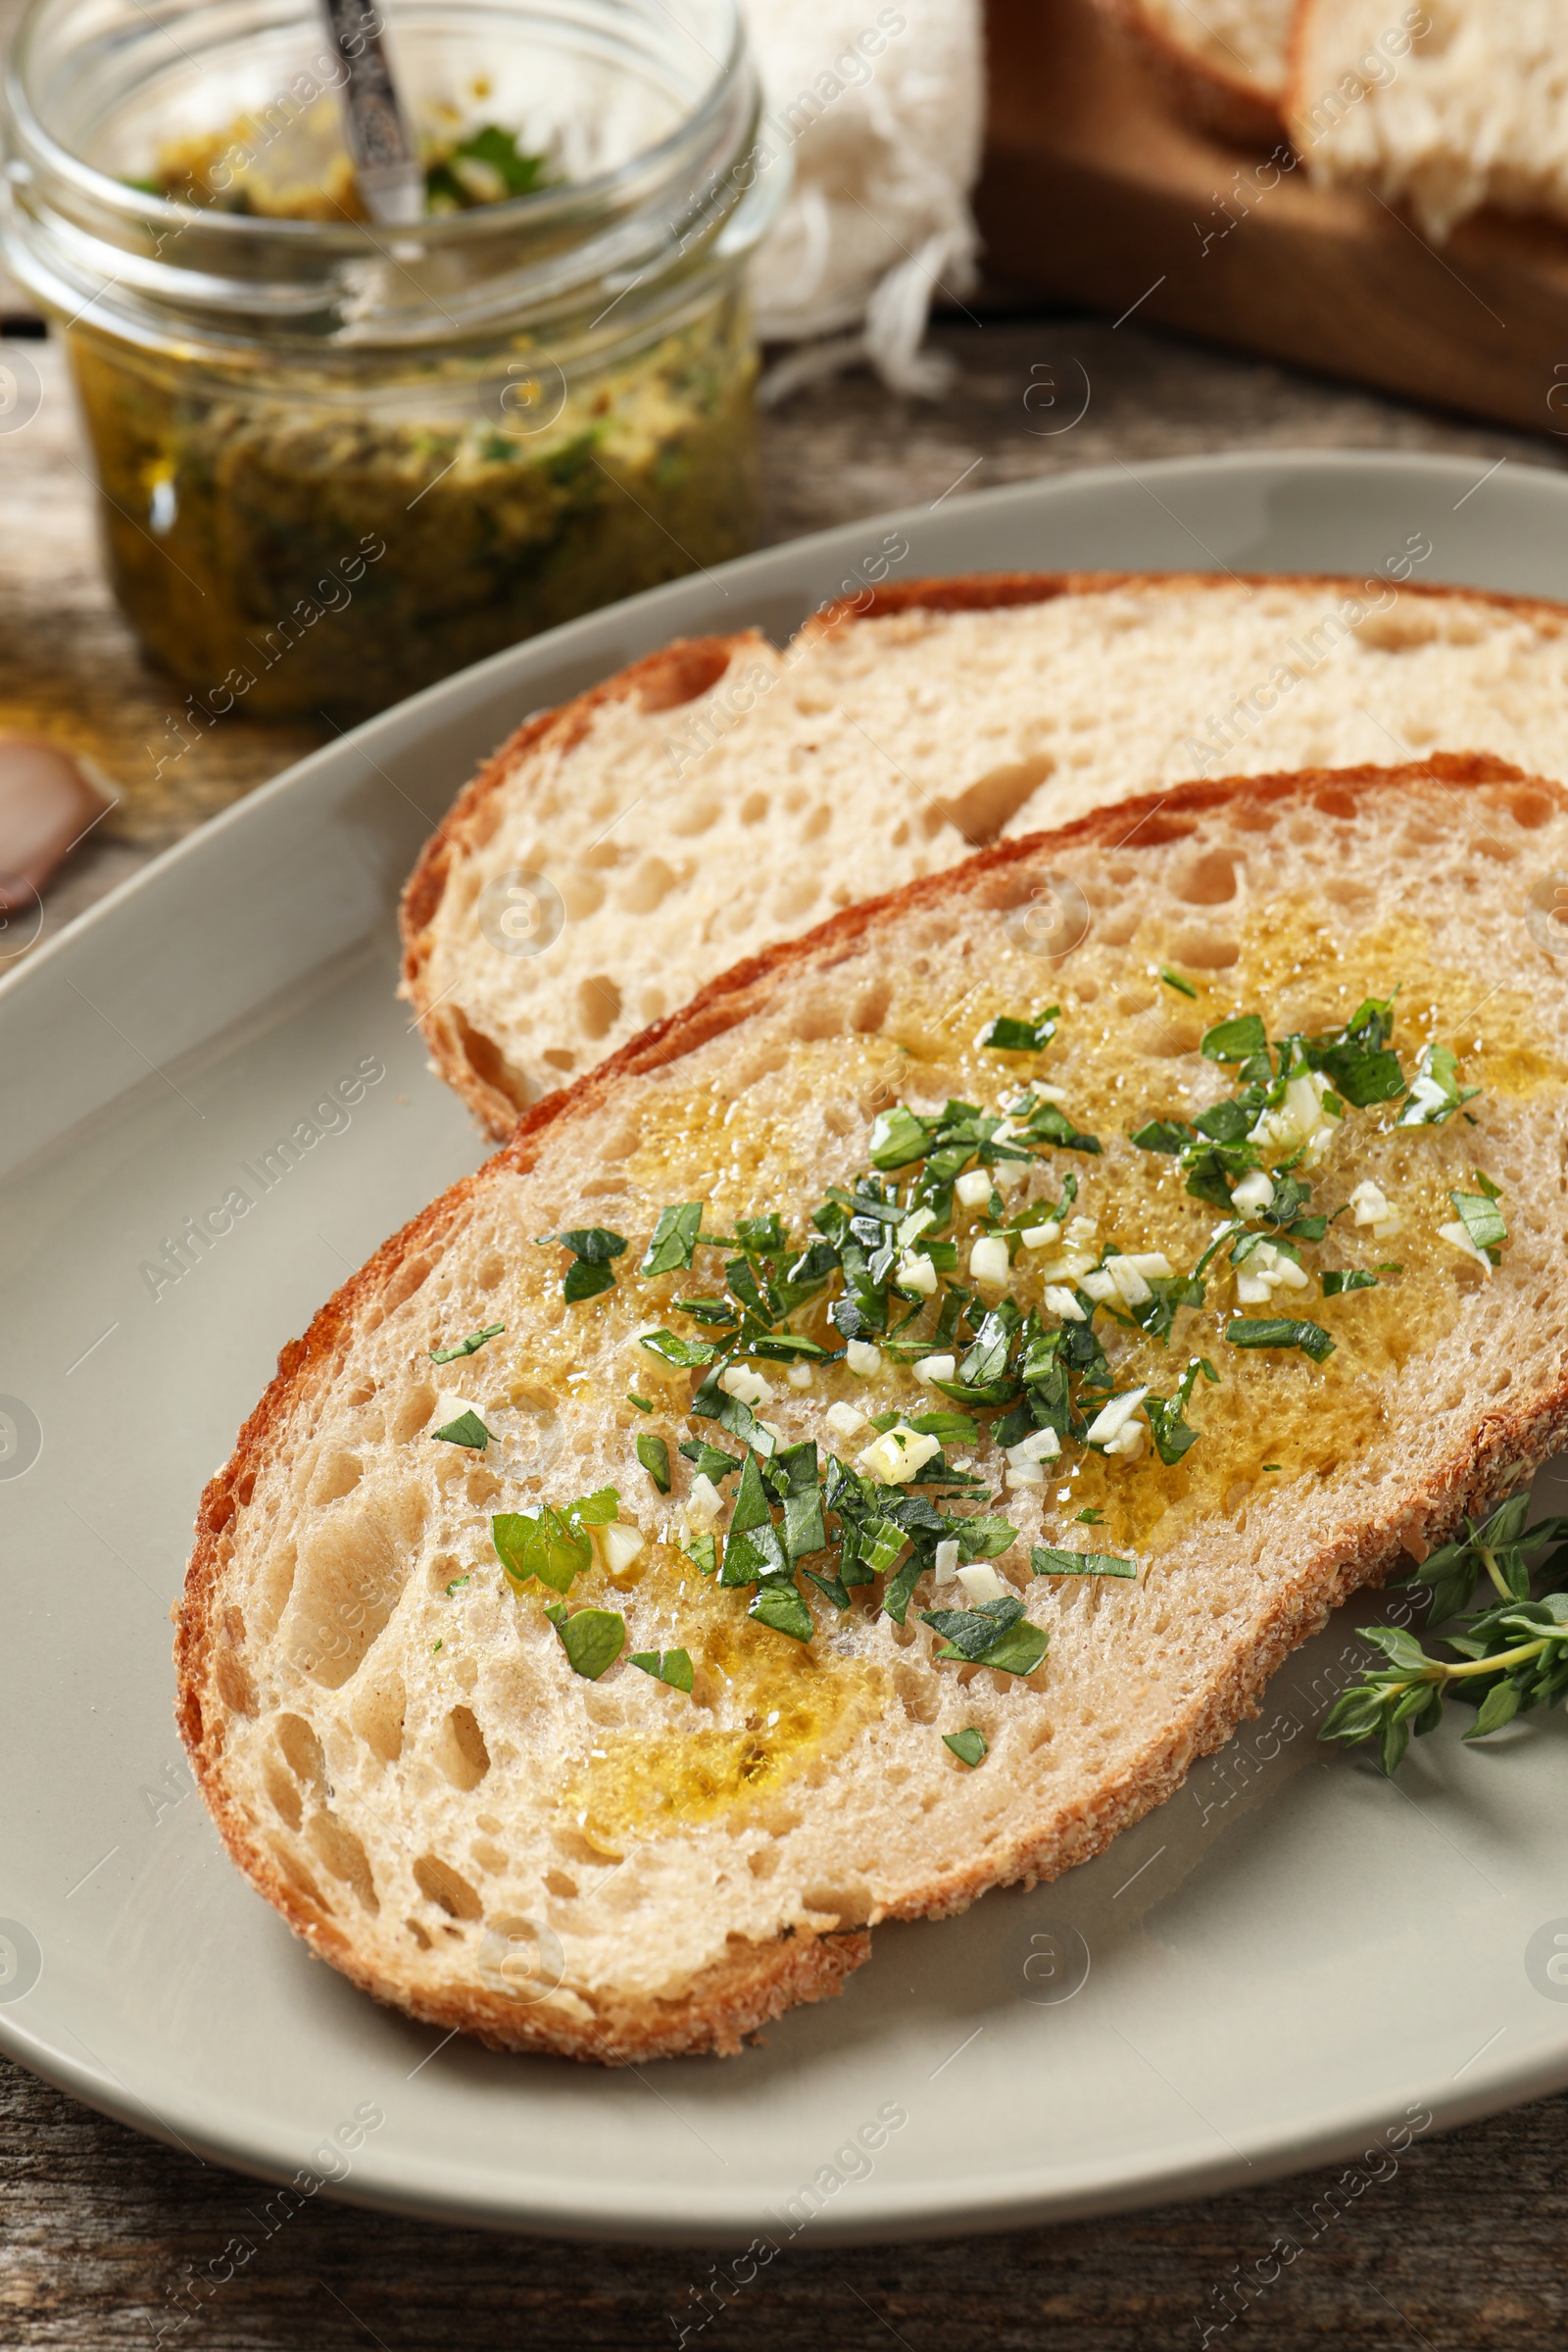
column 1094, row 190
column 1459, row 2250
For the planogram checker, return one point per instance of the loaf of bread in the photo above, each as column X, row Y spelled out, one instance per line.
column 1443, row 107
column 502, row 1678
column 716, row 797
column 1223, row 63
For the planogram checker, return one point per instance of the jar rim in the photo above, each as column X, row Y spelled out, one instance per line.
column 358, row 237
column 68, row 222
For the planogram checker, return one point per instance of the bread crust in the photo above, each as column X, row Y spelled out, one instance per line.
column 680, row 671
column 1230, row 106
column 720, row 2009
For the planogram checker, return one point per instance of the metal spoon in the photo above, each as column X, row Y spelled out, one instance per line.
column 390, row 178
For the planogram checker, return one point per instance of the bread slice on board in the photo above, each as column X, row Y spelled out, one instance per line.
column 393, row 1735
column 713, row 799
column 1222, row 62
column 1444, row 107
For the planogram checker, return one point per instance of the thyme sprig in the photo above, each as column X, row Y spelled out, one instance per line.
column 1512, row 1655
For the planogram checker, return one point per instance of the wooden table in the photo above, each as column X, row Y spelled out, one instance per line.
column 1463, row 2247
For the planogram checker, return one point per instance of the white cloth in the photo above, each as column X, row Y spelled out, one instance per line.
column 879, row 109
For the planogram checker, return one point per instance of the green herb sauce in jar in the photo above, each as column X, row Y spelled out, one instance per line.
column 340, row 461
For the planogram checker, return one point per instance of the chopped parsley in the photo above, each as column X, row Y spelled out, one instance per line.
column 1279, row 1331
column 806, row 1526
column 458, row 1582
column 1482, row 1218
column 592, row 1639
column 1435, row 1091
column 970, row 1746
column 653, row 1455
column 994, row 1633
column 1337, row 1281
column 467, row 1430
column 671, row 1666
column 707, row 1461
column 1236, row 1040
column 592, row 1247
column 1008, row 1035
column 469, row 1346
column 674, row 1240
column 685, row 1355
column 504, row 169
column 552, row 1545
column 1046, row 1560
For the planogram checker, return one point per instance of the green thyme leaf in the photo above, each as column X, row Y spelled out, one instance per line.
column 970, row 1746
column 673, row 1241
column 1281, row 1330
column 653, row 1455
column 1356, row 1278
column 643, row 1405
column 592, row 1639
column 467, row 1430
column 671, row 1666
column 1174, row 980
column 1234, row 1040
column 1046, row 1560
column 456, row 1585
column 707, row 1310
column 474, row 1341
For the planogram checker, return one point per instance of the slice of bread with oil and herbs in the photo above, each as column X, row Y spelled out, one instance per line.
column 862, row 1443
column 712, row 800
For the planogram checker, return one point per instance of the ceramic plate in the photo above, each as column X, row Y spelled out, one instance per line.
column 1292, row 1960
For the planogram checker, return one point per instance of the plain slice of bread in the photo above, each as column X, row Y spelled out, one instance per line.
column 391, row 1738
column 716, row 797
column 1223, row 63
column 1444, row 107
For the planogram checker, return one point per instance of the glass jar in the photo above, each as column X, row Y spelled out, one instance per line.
column 338, row 460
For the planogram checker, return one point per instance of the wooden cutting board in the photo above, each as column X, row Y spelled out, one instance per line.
column 1093, row 191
